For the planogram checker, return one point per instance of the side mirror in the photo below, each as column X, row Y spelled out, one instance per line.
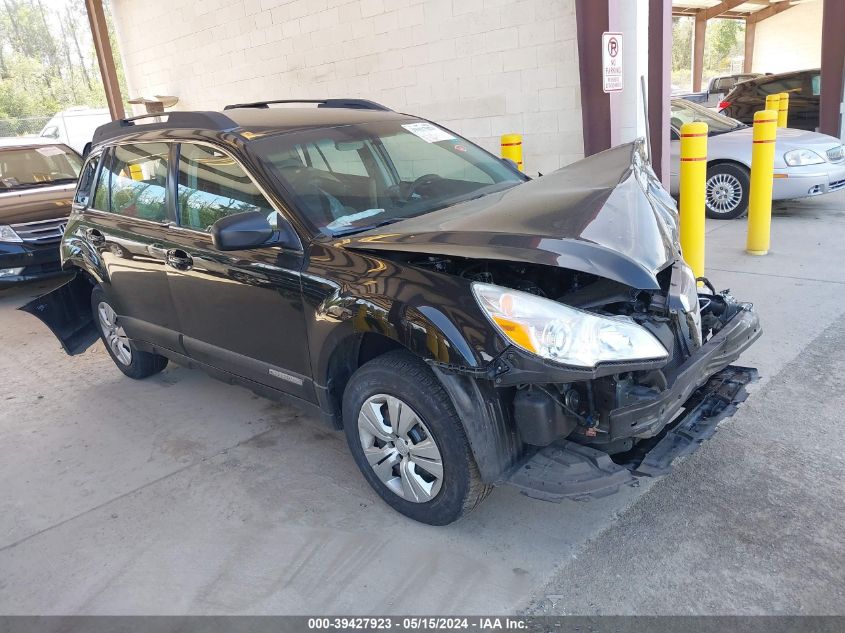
column 243, row 231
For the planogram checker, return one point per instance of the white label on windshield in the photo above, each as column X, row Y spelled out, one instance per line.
column 347, row 220
column 428, row 132
column 49, row 151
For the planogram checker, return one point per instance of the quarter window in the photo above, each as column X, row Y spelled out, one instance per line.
column 101, row 193
column 212, row 185
column 138, row 181
column 86, row 181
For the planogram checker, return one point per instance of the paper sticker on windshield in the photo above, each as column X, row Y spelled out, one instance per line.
column 428, row 132
column 49, row 151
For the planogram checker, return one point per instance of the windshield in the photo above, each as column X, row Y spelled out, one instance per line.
column 26, row 167
column 688, row 112
column 354, row 177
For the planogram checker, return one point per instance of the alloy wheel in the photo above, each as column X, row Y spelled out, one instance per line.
column 114, row 334
column 723, row 192
column 400, row 448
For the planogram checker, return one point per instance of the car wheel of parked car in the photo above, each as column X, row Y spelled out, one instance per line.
column 128, row 358
column 726, row 191
column 408, row 441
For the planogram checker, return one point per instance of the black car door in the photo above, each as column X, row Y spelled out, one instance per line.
column 125, row 223
column 240, row 311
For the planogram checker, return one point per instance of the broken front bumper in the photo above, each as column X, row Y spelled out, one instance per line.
column 674, row 421
column 650, row 412
column 566, row 470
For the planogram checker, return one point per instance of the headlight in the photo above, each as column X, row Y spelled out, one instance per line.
column 563, row 334
column 7, row 234
column 798, row 157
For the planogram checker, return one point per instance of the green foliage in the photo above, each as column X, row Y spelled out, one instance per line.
column 47, row 59
column 723, row 46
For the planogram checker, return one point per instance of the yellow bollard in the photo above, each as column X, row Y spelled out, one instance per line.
column 693, row 179
column 762, row 174
column 512, row 148
column 783, row 109
column 773, row 102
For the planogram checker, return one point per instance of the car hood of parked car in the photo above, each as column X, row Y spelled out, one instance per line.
column 38, row 203
column 737, row 144
column 605, row 215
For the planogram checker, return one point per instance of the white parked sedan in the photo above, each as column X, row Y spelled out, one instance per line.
column 806, row 163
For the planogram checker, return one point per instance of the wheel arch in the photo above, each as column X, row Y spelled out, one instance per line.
column 727, row 161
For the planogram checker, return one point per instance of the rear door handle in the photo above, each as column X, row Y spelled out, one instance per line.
column 179, row 259
column 95, row 237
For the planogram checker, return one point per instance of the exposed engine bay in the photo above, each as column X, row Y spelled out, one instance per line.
column 680, row 315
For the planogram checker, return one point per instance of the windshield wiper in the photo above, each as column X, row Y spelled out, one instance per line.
column 368, row 227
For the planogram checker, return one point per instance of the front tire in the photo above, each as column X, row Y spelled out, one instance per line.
column 128, row 358
column 726, row 191
column 408, row 441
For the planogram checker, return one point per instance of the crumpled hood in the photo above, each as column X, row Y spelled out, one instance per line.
column 606, row 215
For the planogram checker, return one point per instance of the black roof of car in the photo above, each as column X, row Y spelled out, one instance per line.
column 255, row 118
column 773, row 77
column 27, row 141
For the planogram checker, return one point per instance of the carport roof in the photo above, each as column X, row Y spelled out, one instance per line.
column 755, row 9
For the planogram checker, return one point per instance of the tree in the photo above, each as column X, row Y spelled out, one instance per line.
column 47, row 60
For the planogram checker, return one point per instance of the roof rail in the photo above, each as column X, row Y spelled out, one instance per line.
column 354, row 104
column 199, row 120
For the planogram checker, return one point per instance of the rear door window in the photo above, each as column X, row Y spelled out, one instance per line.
column 137, row 177
column 791, row 84
column 213, row 185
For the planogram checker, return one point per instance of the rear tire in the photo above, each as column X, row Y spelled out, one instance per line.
column 726, row 191
column 128, row 358
column 409, row 442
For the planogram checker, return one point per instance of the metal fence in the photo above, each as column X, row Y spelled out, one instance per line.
column 23, row 126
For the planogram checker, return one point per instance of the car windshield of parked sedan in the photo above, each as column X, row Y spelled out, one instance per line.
column 27, row 167
column 688, row 112
column 354, row 177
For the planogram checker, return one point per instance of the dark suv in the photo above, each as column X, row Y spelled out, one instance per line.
column 803, row 86
column 464, row 325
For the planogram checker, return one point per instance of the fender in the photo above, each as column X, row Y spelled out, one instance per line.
column 492, row 435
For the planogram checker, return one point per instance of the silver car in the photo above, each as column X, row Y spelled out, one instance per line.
column 806, row 163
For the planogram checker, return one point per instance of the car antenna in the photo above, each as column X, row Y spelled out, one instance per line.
column 645, row 118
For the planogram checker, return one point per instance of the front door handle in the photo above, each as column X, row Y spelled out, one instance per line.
column 95, row 237
column 179, row 259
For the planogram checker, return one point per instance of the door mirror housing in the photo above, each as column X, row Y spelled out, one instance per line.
column 252, row 229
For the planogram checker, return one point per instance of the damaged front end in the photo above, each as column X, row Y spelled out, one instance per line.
column 594, row 242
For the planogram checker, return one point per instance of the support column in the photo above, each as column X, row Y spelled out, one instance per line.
column 659, row 84
column 105, row 59
column 833, row 68
column 591, row 17
column 750, row 28
column 698, row 50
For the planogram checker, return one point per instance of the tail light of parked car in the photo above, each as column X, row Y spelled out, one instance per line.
column 723, row 104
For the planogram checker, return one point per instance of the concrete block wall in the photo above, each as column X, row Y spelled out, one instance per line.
column 480, row 67
column 791, row 40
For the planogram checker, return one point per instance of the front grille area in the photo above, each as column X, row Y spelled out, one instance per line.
column 41, row 232
column 836, row 154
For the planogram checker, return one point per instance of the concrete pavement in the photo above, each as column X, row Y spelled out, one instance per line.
column 179, row 494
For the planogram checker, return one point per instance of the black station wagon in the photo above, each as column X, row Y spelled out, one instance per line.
column 465, row 326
